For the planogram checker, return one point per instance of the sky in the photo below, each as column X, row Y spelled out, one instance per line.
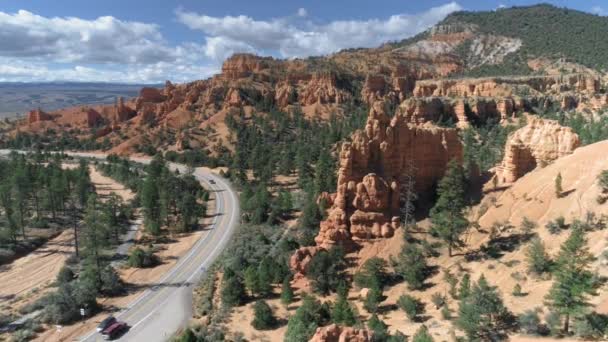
column 137, row 41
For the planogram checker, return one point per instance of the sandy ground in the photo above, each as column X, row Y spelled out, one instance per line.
column 532, row 196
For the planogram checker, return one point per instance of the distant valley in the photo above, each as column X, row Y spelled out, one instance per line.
column 19, row 98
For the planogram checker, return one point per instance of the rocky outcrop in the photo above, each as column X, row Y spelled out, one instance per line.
column 243, row 65
column 38, row 115
column 507, row 86
column 121, row 112
column 323, row 89
column 537, row 144
column 336, row 333
column 366, row 202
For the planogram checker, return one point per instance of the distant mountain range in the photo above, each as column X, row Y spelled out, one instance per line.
column 17, row 99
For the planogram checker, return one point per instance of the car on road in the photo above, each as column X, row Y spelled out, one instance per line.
column 106, row 323
column 211, row 181
column 114, row 330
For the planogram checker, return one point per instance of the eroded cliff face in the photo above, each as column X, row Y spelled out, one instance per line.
column 336, row 333
column 38, row 115
column 538, row 143
column 371, row 167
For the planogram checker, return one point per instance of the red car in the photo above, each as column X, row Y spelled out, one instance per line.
column 114, row 330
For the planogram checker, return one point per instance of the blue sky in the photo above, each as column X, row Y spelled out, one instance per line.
column 150, row 41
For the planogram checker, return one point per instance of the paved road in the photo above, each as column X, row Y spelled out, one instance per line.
column 163, row 309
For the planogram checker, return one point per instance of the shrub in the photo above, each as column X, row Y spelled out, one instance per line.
column 263, row 317
column 372, row 272
column 527, row 225
column 446, row 313
column 142, row 258
column 537, row 258
column 554, row 322
column 111, row 284
column 65, row 275
column 529, row 322
column 410, row 305
column 438, row 299
column 591, row 326
column 517, row 291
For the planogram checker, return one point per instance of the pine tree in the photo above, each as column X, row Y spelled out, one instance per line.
column 379, row 328
column 465, row 286
column 233, row 291
column 342, row 312
column 447, row 216
column 573, row 281
column 409, row 305
column 422, row 335
column 411, row 265
column 373, row 299
column 482, row 314
column 263, row 317
column 537, row 258
column 94, row 238
column 408, row 195
column 287, row 294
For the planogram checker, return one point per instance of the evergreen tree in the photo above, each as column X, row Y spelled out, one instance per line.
column 342, row 312
column 447, row 216
column 465, row 286
column 408, row 195
column 573, row 281
column 287, row 294
column 482, row 314
column 537, row 258
column 379, row 328
column 409, row 305
column 372, row 272
column 233, row 291
column 326, row 270
column 373, row 299
column 422, row 335
column 263, row 318
column 303, row 324
column 411, row 265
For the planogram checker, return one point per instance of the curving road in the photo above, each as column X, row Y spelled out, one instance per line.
column 165, row 308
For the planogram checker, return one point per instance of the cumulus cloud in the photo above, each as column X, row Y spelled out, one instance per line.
column 37, row 48
column 289, row 39
column 103, row 40
column 302, row 12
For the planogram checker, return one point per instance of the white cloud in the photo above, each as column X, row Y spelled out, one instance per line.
column 103, row 49
column 229, row 34
column 302, row 12
column 599, row 10
column 103, row 40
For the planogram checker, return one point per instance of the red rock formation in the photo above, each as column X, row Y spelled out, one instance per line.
column 336, row 333
column 538, row 143
column 121, row 112
column 301, row 258
column 243, row 65
column 506, row 86
column 38, row 115
column 367, row 199
column 322, row 89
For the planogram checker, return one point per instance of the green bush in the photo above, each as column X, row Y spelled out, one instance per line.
column 411, row 306
column 529, row 322
column 263, row 318
column 142, row 258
